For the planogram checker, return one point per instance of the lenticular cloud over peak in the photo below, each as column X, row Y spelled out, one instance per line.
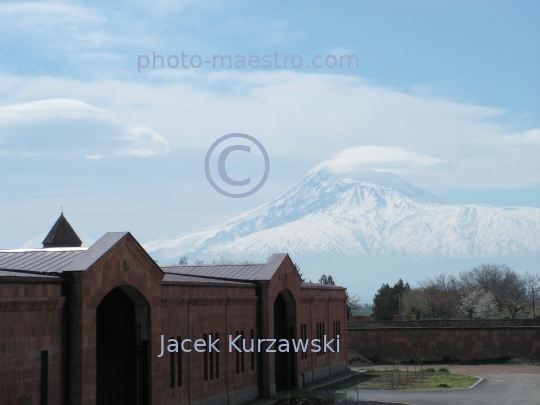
column 377, row 158
column 63, row 126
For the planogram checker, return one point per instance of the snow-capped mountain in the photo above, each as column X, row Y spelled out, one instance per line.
column 363, row 214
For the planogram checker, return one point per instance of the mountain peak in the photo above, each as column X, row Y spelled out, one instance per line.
column 363, row 214
column 376, row 180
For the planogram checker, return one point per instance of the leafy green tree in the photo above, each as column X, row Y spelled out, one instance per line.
column 387, row 300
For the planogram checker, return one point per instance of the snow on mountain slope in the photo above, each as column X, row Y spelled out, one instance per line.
column 369, row 214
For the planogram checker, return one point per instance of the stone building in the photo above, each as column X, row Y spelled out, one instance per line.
column 86, row 325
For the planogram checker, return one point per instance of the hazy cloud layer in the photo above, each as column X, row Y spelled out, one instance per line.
column 72, row 127
column 305, row 117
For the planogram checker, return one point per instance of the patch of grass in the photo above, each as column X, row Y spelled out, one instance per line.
column 384, row 380
column 443, row 381
column 303, row 400
column 429, row 370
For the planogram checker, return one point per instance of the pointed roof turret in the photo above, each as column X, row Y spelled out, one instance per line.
column 62, row 235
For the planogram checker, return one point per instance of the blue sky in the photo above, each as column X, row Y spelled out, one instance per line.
column 455, row 82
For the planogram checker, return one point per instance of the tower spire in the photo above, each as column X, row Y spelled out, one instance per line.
column 62, row 234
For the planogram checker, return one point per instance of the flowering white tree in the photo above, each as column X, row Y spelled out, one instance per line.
column 478, row 303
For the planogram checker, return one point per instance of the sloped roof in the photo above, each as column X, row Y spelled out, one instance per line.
column 180, row 278
column 232, row 272
column 62, row 235
column 95, row 252
column 11, row 273
column 219, row 271
column 38, row 260
column 57, row 260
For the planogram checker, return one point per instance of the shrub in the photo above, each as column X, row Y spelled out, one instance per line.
column 443, row 370
column 302, row 400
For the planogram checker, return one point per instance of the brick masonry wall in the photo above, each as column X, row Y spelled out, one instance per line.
column 190, row 312
column 457, row 340
column 313, row 305
column 126, row 264
column 31, row 317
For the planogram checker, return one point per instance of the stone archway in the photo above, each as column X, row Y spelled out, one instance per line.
column 122, row 348
column 284, row 328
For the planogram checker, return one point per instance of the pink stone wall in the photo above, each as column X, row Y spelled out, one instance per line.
column 465, row 342
column 30, row 321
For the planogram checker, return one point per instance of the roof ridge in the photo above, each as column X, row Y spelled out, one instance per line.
column 57, row 249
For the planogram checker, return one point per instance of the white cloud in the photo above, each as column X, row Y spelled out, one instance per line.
column 530, row 137
column 68, row 126
column 24, row 12
column 376, row 157
column 307, row 118
column 53, row 21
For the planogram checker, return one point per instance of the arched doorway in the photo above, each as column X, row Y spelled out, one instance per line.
column 122, row 348
column 284, row 328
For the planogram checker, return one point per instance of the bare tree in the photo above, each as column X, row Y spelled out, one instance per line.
column 511, row 291
column 516, row 307
column 415, row 303
column 183, row 260
column 442, row 294
column 353, row 303
column 227, row 260
column 532, row 281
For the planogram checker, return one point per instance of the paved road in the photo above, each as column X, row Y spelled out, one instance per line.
column 502, row 385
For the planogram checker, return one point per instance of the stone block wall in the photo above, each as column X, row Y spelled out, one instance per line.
column 454, row 340
column 31, row 321
column 191, row 311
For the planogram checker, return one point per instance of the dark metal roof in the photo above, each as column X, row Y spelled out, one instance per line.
column 62, row 235
column 13, row 273
column 38, row 260
column 62, row 260
column 305, row 284
column 95, row 252
column 218, row 271
column 57, row 260
column 234, row 272
column 180, row 278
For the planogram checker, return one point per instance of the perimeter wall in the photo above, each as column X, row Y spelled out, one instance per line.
column 448, row 340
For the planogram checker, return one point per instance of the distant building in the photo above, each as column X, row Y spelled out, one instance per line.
column 84, row 326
